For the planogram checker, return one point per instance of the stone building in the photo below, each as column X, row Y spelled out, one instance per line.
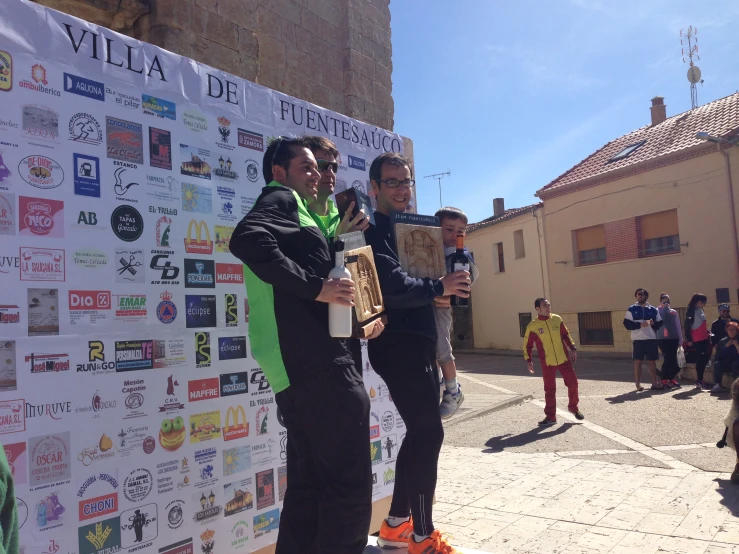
column 333, row 53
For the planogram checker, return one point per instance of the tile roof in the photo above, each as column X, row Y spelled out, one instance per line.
column 673, row 136
column 505, row 216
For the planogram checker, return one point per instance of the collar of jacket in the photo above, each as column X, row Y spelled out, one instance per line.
column 329, row 230
column 304, row 214
column 543, row 317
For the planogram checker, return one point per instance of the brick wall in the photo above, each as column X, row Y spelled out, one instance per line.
column 622, row 242
column 334, row 53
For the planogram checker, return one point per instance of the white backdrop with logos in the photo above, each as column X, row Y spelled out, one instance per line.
column 131, row 410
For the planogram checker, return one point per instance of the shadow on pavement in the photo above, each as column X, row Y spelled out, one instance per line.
column 633, row 395
column 498, row 444
column 687, row 393
column 729, row 493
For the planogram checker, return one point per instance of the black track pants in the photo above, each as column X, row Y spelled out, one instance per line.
column 328, row 503
column 407, row 364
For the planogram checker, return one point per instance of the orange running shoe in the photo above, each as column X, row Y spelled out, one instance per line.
column 395, row 537
column 435, row 544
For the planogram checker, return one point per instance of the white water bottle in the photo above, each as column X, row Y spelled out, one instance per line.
column 339, row 317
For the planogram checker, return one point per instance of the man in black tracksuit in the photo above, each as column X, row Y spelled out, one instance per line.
column 405, row 357
column 318, row 389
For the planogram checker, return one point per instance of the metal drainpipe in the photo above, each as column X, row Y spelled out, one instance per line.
column 731, row 205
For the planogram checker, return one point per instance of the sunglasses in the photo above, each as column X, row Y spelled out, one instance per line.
column 324, row 166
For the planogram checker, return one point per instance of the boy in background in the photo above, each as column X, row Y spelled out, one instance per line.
column 453, row 223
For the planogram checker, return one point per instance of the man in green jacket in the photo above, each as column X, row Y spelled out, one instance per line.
column 323, row 208
column 318, row 389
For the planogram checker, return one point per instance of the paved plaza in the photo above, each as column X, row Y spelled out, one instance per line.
column 641, row 474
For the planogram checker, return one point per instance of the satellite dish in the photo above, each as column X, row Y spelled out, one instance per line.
column 694, row 74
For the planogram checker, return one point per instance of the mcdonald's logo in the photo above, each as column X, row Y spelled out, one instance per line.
column 194, row 243
column 235, row 431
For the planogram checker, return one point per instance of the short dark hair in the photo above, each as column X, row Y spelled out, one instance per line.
column 315, row 142
column 281, row 150
column 663, row 296
column 388, row 158
column 538, row 302
column 697, row 297
column 640, row 289
column 450, row 212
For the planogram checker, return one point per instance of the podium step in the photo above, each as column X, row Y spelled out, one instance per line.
column 372, row 548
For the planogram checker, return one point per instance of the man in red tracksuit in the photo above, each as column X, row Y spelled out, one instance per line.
column 549, row 334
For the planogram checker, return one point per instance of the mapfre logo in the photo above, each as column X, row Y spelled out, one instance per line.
column 229, row 273
column 198, row 238
column 89, row 299
column 203, row 389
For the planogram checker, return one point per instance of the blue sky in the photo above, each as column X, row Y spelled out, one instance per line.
column 509, row 95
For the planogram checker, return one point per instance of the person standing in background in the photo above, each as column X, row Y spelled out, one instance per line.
column 551, row 338
column 718, row 327
column 669, row 339
column 727, row 357
column 643, row 320
column 697, row 336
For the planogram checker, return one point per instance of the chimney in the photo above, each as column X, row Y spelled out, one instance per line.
column 659, row 110
column 498, row 207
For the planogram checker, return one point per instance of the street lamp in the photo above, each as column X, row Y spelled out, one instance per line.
column 701, row 135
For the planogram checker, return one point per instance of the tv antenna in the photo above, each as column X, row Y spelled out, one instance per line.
column 438, row 177
column 689, row 41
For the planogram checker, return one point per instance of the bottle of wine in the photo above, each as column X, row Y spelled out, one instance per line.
column 339, row 317
column 460, row 262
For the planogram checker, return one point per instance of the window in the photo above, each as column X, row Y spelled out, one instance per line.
column 590, row 245
column 523, row 320
column 596, row 329
column 498, row 260
column 628, row 151
column 658, row 234
column 722, row 295
column 518, row 246
column 594, row 256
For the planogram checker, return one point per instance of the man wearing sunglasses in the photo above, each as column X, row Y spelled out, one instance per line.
column 318, row 389
column 405, row 357
column 326, row 212
column 718, row 327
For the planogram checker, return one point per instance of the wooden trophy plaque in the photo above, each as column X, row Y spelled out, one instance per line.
column 421, row 250
column 368, row 304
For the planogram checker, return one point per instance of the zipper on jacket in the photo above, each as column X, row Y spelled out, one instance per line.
column 554, row 349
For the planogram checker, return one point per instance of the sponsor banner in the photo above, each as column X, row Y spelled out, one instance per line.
column 234, row 383
column 239, row 497
column 124, row 171
column 236, row 460
column 132, row 355
column 235, row 425
column 231, row 348
column 266, row 523
column 43, row 309
column 160, row 148
column 205, row 426
column 229, row 273
column 203, row 389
